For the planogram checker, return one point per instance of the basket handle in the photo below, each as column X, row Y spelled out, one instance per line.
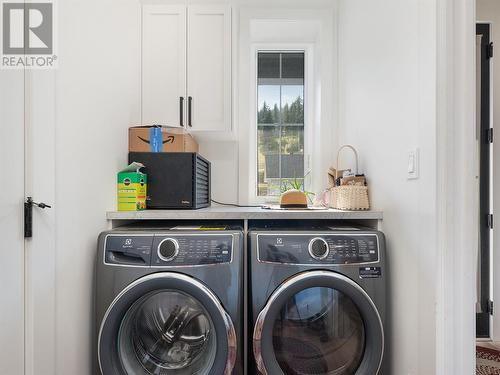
column 338, row 159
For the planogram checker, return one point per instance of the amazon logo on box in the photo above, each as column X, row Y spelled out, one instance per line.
column 157, row 138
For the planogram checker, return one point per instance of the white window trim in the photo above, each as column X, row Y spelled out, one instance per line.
column 308, row 50
column 313, row 28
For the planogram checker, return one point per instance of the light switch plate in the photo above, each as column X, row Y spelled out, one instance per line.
column 413, row 164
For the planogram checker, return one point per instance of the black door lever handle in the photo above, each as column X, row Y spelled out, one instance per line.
column 28, row 215
column 42, row 205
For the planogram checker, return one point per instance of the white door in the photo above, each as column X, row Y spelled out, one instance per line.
column 11, row 222
column 27, row 266
column 40, row 250
column 164, row 64
column 209, row 68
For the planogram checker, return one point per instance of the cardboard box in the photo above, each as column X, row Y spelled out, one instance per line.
column 132, row 188
column 155, row 138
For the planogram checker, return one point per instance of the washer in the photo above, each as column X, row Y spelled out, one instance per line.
column 169, row 302
column 317, row 301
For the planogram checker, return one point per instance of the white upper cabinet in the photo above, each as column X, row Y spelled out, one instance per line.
column 209, row 67
column 186, row 66
column 163, row 64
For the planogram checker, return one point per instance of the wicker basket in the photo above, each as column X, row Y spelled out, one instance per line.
column 349, row 197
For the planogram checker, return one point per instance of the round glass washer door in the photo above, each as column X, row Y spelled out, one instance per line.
column 166, row 324
column 319, row 323
column 167, row 332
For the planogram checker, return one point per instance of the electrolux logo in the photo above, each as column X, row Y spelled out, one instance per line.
column 28, row 35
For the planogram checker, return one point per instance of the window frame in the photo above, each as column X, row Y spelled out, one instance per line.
column 309, row 105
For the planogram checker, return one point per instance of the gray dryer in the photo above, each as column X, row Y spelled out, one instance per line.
column 317, row 301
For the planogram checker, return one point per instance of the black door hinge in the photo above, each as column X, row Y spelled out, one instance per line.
column 28, row 215
column 489, row 51
column 490, row 307
column 489, row 219
column 489, row 135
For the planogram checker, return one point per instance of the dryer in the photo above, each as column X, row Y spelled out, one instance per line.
column 169, row 302
column 317, row 301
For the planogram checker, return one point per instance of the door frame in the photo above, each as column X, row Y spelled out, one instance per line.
column 456, row 229
column 483, row 318
column 12, row 249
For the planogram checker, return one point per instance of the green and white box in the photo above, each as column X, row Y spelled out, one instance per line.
column 132, row 188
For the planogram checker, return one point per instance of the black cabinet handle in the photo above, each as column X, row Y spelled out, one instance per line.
column 190, row 100
column 181, row 110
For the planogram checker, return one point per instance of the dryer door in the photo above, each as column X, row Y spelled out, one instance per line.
column 319, row 322
column 166, row 323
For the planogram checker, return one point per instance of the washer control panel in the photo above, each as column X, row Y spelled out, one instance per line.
column 318, row 249
column 189, row 250
column 133, row 250
column 168, row 250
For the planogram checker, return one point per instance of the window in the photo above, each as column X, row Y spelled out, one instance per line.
column 280, row 121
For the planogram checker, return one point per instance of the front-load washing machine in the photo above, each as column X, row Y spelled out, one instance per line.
column 317, row 301
column 169, row 302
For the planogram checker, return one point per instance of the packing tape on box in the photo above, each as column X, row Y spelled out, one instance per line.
column 155, row 139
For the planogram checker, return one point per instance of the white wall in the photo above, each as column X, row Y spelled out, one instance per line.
column 223, row 157
column 97, row 98
column 387, row 78
column 489, row 11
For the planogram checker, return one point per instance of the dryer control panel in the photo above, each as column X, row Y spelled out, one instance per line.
column 168, row 250
column 318, row 248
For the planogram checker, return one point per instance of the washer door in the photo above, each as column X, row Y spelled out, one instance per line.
column 166, row 323
column 319, row 322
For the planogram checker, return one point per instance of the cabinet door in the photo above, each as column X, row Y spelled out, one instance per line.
column 209, row 67
column 163, row 64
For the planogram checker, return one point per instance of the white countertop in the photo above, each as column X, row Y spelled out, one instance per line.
column 243, row 213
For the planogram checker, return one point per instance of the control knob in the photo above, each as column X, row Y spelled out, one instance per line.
column 168, row 249
column 318, row 248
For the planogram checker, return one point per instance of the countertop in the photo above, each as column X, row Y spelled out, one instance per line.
column 243, row 213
